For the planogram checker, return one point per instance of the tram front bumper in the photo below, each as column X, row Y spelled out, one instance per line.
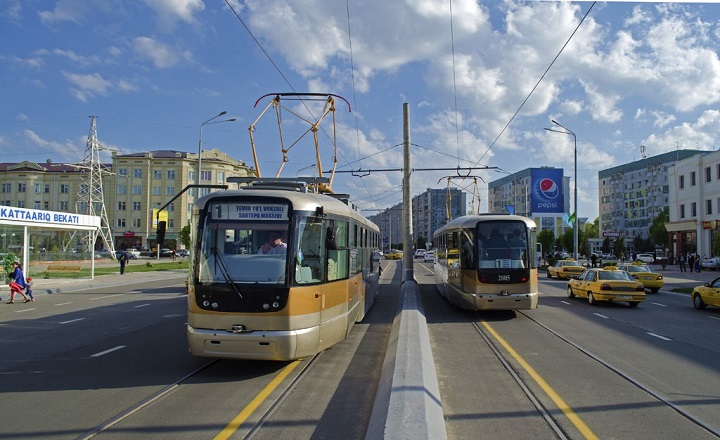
column 258, row 345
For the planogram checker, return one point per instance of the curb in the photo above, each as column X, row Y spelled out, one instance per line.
column 407, row 403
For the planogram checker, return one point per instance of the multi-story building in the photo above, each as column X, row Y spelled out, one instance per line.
column 137, row 184
column 694, row 204
column 632, row 195
column 542, row 194
column 430, row 211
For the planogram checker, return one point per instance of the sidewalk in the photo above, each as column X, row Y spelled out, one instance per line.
column 60, row 285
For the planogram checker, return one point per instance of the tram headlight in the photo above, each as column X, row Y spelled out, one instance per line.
column 276, row 305
column 206, row 303
column 215, row 305
column 266, row 306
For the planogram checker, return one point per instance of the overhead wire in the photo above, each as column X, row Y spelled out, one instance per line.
column 452, row 46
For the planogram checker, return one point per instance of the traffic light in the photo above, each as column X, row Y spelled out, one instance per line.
column 162, row 225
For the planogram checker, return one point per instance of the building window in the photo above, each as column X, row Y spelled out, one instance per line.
column 21, row 188
column 171, row 174
column 122, row 189
column 121, row 223
column 708, row 174
column 221, row 177
column 122, row 172
column 137, row 206
column 191, row 174
column 37, row 188
column 692, row 179
column 189, row 207
column 682, row 211
column 681, row 183
column 157, row 191
column 36, row 204
column 170, row 190
column 47, row 189
column 708, row 207
column 7, row 187
column 171, row 208
column 121, row 206
column 46, row 205
column 137, row 172
column 693, row 209
column 64, row 206
column 171, row 223
column 157, row 174
column 136, row 223
column 137, row 189
column 21, row 204
column 206, row 175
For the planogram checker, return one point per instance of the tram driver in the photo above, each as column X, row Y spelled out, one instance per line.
column 274, row 246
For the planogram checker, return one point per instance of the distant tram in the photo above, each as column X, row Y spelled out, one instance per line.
column 488, row 262
column 277, row 272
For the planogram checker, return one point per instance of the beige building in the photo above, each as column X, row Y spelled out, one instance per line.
column 136, row 184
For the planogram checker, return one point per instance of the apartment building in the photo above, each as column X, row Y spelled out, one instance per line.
column 135, row 185
column 542, row 194
column 631, row 195
column 694, row 201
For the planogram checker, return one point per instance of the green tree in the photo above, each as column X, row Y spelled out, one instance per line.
column 657, row 232
column 420, row 243
column 546, row 238
column 184, row 236
column 716, row 244
column 592, row 230
column 567, row 240
column 619, row 247
column 606, row 246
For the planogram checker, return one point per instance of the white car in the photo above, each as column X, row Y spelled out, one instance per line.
column 429, row 257
column 645, row 258
column 419, row 253
column 710, row 263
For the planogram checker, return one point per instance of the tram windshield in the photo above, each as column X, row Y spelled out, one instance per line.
column 244, row 252
column 505, row 245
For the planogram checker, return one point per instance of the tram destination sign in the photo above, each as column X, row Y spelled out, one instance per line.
column 250, row 211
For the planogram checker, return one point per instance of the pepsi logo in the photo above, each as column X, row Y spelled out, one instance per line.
column 549, row 188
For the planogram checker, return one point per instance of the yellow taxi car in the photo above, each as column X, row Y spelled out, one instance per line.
column 643, row 273
column 565, row 269
column 394, row 255
column 707, row 295
column 606, row 285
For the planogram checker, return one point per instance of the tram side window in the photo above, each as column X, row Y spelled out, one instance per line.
column 310, row 260
column 467, row 249
column 337, row 264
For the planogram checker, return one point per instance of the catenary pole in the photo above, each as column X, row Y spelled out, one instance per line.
column 407, row 206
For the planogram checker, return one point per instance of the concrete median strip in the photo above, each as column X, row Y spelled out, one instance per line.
column 407, row 403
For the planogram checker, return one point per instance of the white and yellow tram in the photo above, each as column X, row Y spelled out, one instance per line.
column 277, row 273
column 487, row 262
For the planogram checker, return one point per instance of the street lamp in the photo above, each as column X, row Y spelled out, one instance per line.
column 199, row 166
column 576, row 225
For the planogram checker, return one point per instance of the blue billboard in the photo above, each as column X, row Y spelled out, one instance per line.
column 546, row 194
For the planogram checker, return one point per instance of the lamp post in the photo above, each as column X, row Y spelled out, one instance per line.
column 199, row 165
column 576, row 225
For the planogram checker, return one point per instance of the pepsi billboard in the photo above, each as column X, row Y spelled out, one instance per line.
column 546, row 194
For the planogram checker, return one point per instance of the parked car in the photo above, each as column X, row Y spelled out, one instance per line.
column 419, row 253
column 643, row 273
column 128, row 255
column 134, row 252
column 163, row 253
column 606, row 285
column 645, row 258
column 429, row 257
column 564, row 269
column 394, row 255
column 707, row 295
column 710, row 263
column 183, row 253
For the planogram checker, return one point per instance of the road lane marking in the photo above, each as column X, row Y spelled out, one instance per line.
column 559, row 402
column 72, row 320
column 141, row 305
column 107, row 296
column 248, row 410
column 659, row 337
column 102, row 353
column 565, row 302
column 658, row 304
column 63, row 304
column 714, row 317
column 601, row 315
column 24, row 310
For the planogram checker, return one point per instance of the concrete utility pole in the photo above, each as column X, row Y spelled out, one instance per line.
column 408, row 274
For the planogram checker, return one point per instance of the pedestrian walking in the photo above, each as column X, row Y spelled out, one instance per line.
column 17, row 285
column 681, row 261
column 691, row 262
column 123, row 260
column 174, row 255
column 28, row 290
column 593, row 258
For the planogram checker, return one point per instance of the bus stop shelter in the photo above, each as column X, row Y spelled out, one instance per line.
column 22, row 219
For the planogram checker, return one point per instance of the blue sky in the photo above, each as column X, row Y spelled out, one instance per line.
column 634, row 74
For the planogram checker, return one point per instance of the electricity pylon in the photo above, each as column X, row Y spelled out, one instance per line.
column 90, row 198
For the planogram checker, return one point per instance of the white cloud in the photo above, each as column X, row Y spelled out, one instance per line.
column 170, row 11
column 703, row 134
column 65, row 10
column 662, row 119
column 161, row 55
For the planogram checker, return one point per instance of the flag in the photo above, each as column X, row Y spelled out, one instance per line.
column 571, row 219
column 510, row 209
column 566, row 219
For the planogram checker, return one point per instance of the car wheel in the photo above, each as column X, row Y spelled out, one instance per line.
column 654, row 290
column 570, row 293
column 698, row 302
column 633, row 304
column 548, row 274
column 591, row 299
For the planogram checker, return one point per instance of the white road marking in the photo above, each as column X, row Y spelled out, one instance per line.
column 24, row 310
column 659, row 337
column 141, row 305
column 63, row 304
column 107, row 296
column 119, row 347
column 714, row 317
column 661, row 305
column 72, row 320
column 565, row 302
column 601, row 315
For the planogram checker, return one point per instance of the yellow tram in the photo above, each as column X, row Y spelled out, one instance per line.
column 278, row 272
column 488, row 262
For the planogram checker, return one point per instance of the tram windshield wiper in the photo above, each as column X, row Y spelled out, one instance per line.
column 225, row 273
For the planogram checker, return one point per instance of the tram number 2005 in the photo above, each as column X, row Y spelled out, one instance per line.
column 504, row 278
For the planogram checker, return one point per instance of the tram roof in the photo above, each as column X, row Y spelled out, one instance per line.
column 470, row 221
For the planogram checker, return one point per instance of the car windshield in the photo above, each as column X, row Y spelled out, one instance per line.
column 617, row 275
column 638, row 269
column 571, row 263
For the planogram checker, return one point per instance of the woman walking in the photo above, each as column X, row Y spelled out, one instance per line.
column 17, row 285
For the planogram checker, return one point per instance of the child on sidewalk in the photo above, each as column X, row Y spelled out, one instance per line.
column 28, row 290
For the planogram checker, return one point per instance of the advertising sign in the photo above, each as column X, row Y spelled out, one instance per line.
column 547, row 193
column 163, row 217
